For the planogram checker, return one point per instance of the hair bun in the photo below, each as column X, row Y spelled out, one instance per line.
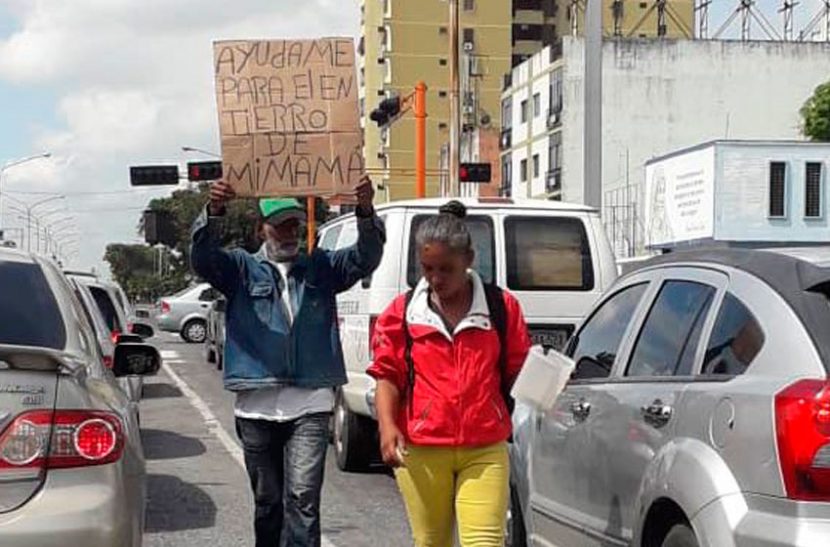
column 454, row 208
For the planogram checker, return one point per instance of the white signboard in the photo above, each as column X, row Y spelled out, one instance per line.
column 680, row 198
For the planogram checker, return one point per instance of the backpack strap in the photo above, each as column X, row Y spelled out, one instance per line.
column 407, row 352
column 498, row 316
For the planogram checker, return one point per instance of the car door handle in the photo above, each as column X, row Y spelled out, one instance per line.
column 205, row 305
column 581, row 409
column 657, row 413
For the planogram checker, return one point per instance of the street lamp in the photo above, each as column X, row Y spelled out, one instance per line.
column 200, row 151
column 14, row 163
column 48, row 230
column 28, row 210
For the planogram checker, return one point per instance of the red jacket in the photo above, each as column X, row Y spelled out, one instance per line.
column 457, row 398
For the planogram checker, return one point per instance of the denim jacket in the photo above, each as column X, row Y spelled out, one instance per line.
column 261, row 349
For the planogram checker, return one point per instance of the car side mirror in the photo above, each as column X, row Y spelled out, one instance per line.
column 129, row 339
column 143, row 330
column 132, row 359
column 221, row 305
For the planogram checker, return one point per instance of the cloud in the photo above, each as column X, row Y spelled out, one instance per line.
column 134, row 81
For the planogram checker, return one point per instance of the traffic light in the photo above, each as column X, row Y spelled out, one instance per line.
column 198, row 171
column 386, row 110
column 159, row 228
column 474, row 172
column 154, row 175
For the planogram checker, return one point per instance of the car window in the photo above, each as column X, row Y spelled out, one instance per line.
column 547, row 253
column 209, row 295
column 30, row 313
column 594, row 349
column 736, row 339
column 667, row 342
column 481, row 230
column 107, row 308
column 329, row 239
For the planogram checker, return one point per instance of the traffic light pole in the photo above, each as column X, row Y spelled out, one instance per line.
column 420, row 140
column 455, row 102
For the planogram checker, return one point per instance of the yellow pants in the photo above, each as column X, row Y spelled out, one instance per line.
column 471, row 484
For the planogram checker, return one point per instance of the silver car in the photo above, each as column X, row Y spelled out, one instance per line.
column 72, row 470
column 186, row 312
column 698, row 412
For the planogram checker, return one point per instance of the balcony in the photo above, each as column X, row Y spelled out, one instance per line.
column 554, row 117
column 508, row 81
column 553, row 180
column 506, row 138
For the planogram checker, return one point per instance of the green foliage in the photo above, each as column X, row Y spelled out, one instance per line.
column 815, row 115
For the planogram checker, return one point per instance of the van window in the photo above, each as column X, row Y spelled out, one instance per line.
column 547, row 253
column 31, row 316
column 330, row 238
column 481, row 230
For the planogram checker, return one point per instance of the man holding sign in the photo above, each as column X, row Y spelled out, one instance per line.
column 282, row 353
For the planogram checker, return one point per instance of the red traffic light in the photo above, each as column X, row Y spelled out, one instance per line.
column 474, row 172
column 204, row 170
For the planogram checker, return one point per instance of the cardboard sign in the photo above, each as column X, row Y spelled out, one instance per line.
column 288, row 116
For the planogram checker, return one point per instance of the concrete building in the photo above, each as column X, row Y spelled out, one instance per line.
column 406, row 41
column 738, row 193
column 531, row 136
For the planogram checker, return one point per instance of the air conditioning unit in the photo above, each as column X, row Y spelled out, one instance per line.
column 469, row 47
column 469, row 109
column 475, row 67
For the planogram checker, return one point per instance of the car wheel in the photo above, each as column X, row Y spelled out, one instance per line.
column 210, row 354
column 194, row 331
column 515, row 534
column 353, row 438
column 681, row 535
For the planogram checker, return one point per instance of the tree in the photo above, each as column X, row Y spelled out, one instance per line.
column 137, row 269
column 815, row 114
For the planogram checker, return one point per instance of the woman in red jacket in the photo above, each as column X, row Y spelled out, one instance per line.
column 442, row 371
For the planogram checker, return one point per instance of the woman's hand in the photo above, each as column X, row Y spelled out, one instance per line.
column 392, row 446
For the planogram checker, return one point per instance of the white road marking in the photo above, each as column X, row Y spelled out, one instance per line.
column 212, row 423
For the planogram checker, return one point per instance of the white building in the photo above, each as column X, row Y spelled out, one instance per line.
column 531, row 139
column 658, row 96
column 738, row 193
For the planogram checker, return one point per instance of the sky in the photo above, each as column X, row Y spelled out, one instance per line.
column 105, row 84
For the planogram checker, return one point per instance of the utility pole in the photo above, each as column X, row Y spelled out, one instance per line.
column 455, row 100
column 592, row 145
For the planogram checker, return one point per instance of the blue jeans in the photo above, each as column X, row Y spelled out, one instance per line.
column 285, row 462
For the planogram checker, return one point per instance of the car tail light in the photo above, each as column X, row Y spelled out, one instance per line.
column 114, row 336
column 802, row 419
column 61, row 439
column 108, row 361
column 165, row 307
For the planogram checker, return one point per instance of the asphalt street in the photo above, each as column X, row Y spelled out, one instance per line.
column 198, row 492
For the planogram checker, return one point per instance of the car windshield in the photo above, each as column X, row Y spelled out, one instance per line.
column 30, row 313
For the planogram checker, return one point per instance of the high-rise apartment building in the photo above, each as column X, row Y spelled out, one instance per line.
column 541, row 23
column 404, row 41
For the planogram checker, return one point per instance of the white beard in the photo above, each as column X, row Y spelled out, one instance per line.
column 281, row 252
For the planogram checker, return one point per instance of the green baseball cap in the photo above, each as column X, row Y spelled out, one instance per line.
column 278, row 210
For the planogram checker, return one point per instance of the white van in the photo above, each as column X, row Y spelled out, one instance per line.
column 553, row 256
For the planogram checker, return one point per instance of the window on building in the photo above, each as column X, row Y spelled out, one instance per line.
column 524, row 111
column 506, row 171
column 777, row 189
column 507, row 114
column 536, row 166
column 442, row 62
column 537, row 105
column 812, row 191
column 555, row 151
column 469, row 35
column 523, row 170
column 442, row 94
column 469, row 5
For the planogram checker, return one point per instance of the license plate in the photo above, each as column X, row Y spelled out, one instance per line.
column 550, row 338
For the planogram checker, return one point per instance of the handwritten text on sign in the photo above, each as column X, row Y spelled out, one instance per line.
column 288, row 116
